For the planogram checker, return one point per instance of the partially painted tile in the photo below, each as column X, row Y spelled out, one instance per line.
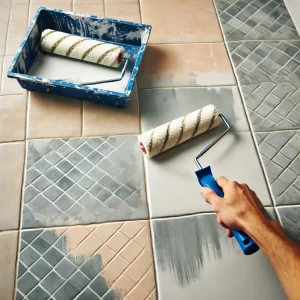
column 111, row 261
column 195, row 260
column 273, row 106
column 280, row 153
column 159, row 106
column 82, row 181
column 290, row 220
column 255, row 20
column 259, row 61
column 173, row 188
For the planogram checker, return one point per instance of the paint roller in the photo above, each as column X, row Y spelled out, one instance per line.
column 81, row 48
column 175, row 132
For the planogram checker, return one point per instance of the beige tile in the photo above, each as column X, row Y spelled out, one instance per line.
column 11, row 175
column 16, row 28
column 130, row 229
column 114, row 269
column 185, row 65
column 10, row 86
column 4, row 20
column 105, row 232
column 20, row 2
column 117, row 242
column 8, row 250
column 127, row 10
column 12, row 117
column 107, row 120
column 177, row 21
column 1, row 69
column 106, row 255
column 123, row 285
column 137, row 293
column 131, row 251
column 53, row 116
column 90, row 7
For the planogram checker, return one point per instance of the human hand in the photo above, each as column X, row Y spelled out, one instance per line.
column 239, row 209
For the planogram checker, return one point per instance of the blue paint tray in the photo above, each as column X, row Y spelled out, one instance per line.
column 48, row 73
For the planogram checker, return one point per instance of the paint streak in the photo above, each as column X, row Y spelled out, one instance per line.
column 184, row 245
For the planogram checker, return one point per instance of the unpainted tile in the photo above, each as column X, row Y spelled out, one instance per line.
column 127, row 10
column 185, row 65
column 176, row 21
column 280, row 153
column 90, row 7
column 290, row 220
column 11, row 175
column 106, row 120
column 62, row 270
column 53, row 116
column 192, row 252
column 4, row 20
column 293, row 7
column 12, row 117
column 8, row 249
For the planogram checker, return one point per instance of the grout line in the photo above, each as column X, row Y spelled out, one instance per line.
column 104, row 8
column 275, row 40
column 279, row 131
column 186, row 43
column 140, row 10
column 9, row 142
column 6, row 37
column 187, row 86
column 82, row 118
column 288, row 205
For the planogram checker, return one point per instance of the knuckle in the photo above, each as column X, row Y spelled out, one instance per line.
column 234, row 184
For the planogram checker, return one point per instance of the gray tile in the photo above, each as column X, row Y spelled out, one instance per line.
column 65, row 268
column 198, row 251
column 38, row 294
column 31, row 175
column 258, row 62
column 280, row 101
column 88, row 294
column 290, row 220
column 52, row 282
column 64, row 202
column 29, row 236
column 21, row 269
column 53, row 256
column 65, row 183
column 41, row 183
column 280, row 152
column 53, row 192
column 40, row 245
column 28, row 256
column 53, row 174
column 92, row 267
column 31, row 192
column 40, row 269
column 26, row 283
column 99, row 286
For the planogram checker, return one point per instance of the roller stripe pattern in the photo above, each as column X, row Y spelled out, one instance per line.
column 179, row 130
column 81, row 48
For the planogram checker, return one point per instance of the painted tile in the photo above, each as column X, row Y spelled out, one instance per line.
column 127, row 10
column 257, row 62
column 17, row 27
column 8, row 250
column 234, row 156
column 198, row 254
column 159, row 106
column 280, row 154
column 185, row 65
column 179, row 24
column 53, row 116
column 107, row 120
column 12, row 117
column 82, row 181
column 11, row 176
column 4, row 20
column 290, row 220
column 90, row 7
column 255, row 20
column 107, row 261
column 273, row 106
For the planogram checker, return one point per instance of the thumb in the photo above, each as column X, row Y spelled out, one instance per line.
column 210, row 197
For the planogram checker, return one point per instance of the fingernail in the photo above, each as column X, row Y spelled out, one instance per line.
column 203, row 191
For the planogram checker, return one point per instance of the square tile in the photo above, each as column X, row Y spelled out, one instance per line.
column 127, row 10
column 90, row 7
column 259, row 61
column 11, row 174
column 178, row 24
column 53, row 116
column 255, row 20
column 273, row 106
column 280, row 154
column 82, row 273
column 193, row 252
column 12, row 117
column 159, row 106
column 234, row 157
column 59, row 193
column 8, row 249
column 4, row 20
column 185, row 65
column 289, row 218
column 107, row 120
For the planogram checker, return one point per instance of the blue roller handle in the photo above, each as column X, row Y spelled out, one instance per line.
column 206, row 179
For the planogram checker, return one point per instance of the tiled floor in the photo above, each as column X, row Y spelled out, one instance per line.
column 84, row 216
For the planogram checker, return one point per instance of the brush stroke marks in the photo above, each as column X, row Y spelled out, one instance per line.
column 184, row 245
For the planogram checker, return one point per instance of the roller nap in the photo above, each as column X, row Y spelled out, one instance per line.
column 178, row 131
column 82, row 48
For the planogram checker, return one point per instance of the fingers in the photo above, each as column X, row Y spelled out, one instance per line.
column 211, row 198
column 222, row 181
column 229, row 233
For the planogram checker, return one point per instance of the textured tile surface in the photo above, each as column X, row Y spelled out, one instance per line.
column 4, row 20
column 53, row 116
column 258, row 62
column 198, row 254
column 91, row 7
column 128, row 10
column 290, row 220
column 173, row 188
column 185, row 65
column 280, row 153
column 106, row 120
column 273, row 107
column 178, row 24
column 108, row 261
column 159, row 106
column 8, row 249
column 11, row 176
column 255, row 20
column 81, row 181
